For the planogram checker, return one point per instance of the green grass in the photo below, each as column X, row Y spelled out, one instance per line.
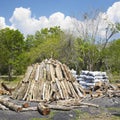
column 113, row 78
column 102, row 116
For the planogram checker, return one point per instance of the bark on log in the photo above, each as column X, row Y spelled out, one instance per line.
column 43, row 109
column 59, row 107
column 27, row 75
column 11, row 105
column 6, row 88
column 25, row 105
column 89, row 104
column 2, row 107
column 29, row 109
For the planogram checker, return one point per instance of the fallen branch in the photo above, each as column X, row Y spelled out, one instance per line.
column 11, row 105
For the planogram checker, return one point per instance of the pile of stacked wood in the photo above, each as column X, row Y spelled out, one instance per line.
column 49, row 80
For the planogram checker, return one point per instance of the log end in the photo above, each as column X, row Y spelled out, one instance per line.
column 43, row 109
column 25, row 105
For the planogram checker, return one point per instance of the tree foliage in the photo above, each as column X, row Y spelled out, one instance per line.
column 16, row 53
column 11, row 47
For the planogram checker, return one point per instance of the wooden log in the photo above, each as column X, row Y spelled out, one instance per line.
column 74, row 94
column 10, row 105
column 36, row 92
column 43, row 92
column 37, row 72
column 69, row 102
column 59, row 88
column 2, row 107
column 25, row 105
column 58, row 72
column 64, row 89
column 74, row 102
column 48, row 77
column 53, row 90
column 46, row 92
column 44, row 73
column 27, row 74
column 89, row 104
column 43, row 109
column 76, row 86
column 67, row 87
column 42, row 64
column 64, row 72
column 6, row 88
column 29, row 109
column 4, row 92
column 26, row 95
column 21, row 91
column 52, row 72
column 15, row 92
column 58, row 107
column 41, row 86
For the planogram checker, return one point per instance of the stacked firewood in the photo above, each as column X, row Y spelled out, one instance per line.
column 48, row 81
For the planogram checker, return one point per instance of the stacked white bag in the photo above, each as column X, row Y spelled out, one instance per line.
column 87, row 79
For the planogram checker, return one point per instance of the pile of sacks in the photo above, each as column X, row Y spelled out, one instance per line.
column 88, row 79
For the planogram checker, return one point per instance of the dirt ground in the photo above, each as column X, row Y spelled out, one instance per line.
column 109, row 109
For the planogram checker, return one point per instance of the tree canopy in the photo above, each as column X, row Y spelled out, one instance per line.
column 17, row 52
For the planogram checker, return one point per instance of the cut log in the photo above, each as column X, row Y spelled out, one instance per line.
column 43, row 109
column 6, row 88
column 52, row 72
column 10, row 105
column 25, row 105
column 58, row 72
column 37, row 72
column 4, row 92
column 59, row 107
column 70, row 102
column 28, row 73
column 59, row 88
column 2, row 107
column 89, row 104
column 29, row 109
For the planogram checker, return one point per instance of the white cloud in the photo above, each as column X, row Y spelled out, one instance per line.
column 2, row 23
column 113, row 12
column 23, row 20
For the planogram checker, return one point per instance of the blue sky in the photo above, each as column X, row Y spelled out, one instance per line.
column 28, row 16
column 47, row 7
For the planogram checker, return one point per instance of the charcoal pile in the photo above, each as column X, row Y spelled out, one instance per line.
column 88, row 79
column 48, row 81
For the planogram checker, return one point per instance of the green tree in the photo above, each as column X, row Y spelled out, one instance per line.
column 45, row 44
column 112, row 58
column 11, row 47
column 87, row 55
